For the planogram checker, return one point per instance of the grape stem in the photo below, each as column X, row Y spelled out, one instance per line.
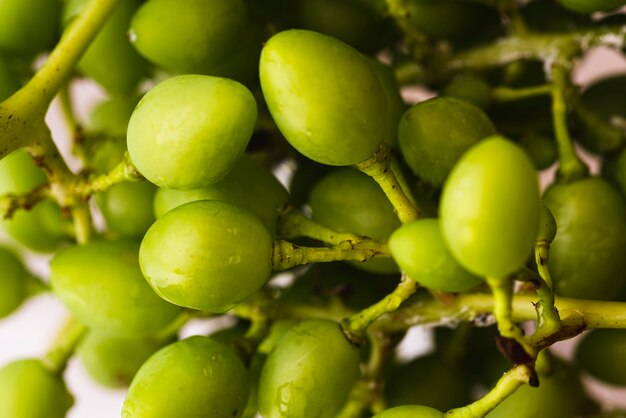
column 507, row 94
column 64, row 345
column 378, row 167
column 417, row 42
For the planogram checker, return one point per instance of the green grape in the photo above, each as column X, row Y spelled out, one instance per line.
column 469, row 88
column 110, row 59
column 550, row 17
column 420, row 251
column 541, row 149
column 395, row 102
column 192, row 378
column 590, row 6
column 490, row 208
column 113, row 361
column 110, row 118
column 309, row 373
column 102, row 285
column 188, row 131
column 587, row 255
column 448, row 19
column 434, row 134
column 547, row 225
column 12, row 282
column 324, row 97
column 337, row 202
column 410, row 411
column 614, row 170
column 42, row 228
column 351, row 21
column 248, row 185
column 207, row 255
column 601, row 353
column 127, row 208
column 428, row 381
column 28, row 27
column 188, row 36
column 9, row 79
column 29, row 390
column 306, row 176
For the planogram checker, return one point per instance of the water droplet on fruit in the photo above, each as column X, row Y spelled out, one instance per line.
column 234, row 259
column 132, row 36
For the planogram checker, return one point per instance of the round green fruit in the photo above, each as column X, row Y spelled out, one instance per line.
column 127, row 208
column 28, row 27
column 188, row 131
column 102, row 285
column 420, row 251
column 601, row 353
column 590, row 6
column 309, row 373
column 12, row 282
column 192, row 378
column 207, row 255
column 471, row 89
column 324, row 97
column 29, row 390
column 9, row 78
column 435, row 133
column 490, row 209
column 410, row 411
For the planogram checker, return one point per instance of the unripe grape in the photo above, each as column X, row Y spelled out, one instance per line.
column 102, row 285
column 207, row 255
column 28, row 27
column 410, row 411
column 192, row 378
column 590, row 6
column 469, row 88
column 324, row 97
column 309, row 373
column 188, row 131
column 9, row 79
column 29, row 390
column 12, row 282
column 541, row 149
column 601, row 353
column 490, row 208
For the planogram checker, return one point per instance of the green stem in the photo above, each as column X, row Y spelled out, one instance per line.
column 416, row 41
column 64, row 345
column 124, row 171
column 67, row 107
column 508, row 94
column 378, row 168
column 570, row 166
column 10, row 203
column 82, row 223
column 286, row 255
column 509, row 383
column 22, row 114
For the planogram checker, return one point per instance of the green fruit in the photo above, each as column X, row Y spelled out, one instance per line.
column 601, row 353
column 324, row 97
column 110, row 117
column 541, row 149
column 248, row 185
column 550, row 17
column 590, row 6
column 9, row 79
column 29, row 390
column 12, row 282
column 420, row 251
column 587, row 255
column 127, row 208
column 207, row 255
column 614, row 170
column 469, row 88
column 188, row 36
column 42, row 228
column 188, row 131
column 28, row 27
column 337, row 202
column 489, row 208
column 309, row 373
column 192, row 378
column 110, row 59
column 435, row 133
column 113, row 361
column 102, row 285
column 395, row 102
column 410, row 411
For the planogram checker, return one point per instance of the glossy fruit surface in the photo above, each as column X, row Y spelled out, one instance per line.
column 127, row 208
column 199, row 122
column 601, row 353
column 489, row 208
column 435, row 133
column 12, row 282
column 102, row 285
column 28, row 27
column 586, row 256
column 192, row 378
column 324, row 97
column 469, row 88
column 303, row 377
column 29, row 390
column 410, row 411
column 541, row 149
column 207, row 255
column 337, row 202
column 420, row 251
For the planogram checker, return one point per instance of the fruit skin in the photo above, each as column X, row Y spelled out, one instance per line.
column 12, row 282
column 207, row 255
column 587, row 255
column 420, row 251
column 435, row 133
column 102, row 285
column 192, row 378
column 601, row 353
column 188, row 131
column 590, row 6
column 29, row 390
column 9, row 78
column 28, row 27
column 188, row 36
column 324, row 97
column 410, row 411
column 490, row 209
column 309, row 373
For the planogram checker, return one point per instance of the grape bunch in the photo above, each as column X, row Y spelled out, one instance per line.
column 263, row 163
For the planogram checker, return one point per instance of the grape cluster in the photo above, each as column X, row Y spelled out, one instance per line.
column 393, row 213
